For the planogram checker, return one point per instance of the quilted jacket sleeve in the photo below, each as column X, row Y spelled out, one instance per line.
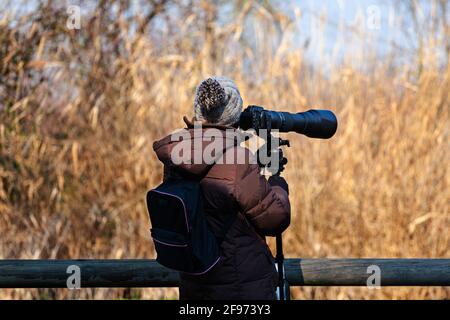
column 267, row 207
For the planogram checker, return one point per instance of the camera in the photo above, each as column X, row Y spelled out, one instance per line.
column 320, row 124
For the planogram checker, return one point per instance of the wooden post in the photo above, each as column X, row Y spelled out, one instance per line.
column 148, row 273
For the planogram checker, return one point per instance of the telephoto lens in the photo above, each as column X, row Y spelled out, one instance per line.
column 320, row 124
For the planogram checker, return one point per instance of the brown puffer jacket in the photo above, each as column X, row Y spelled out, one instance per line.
column 241, row 208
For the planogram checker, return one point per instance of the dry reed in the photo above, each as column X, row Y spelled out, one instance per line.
column 79, row 110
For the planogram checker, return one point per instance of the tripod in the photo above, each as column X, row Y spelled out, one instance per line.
column 269, row 150
column 283, row 291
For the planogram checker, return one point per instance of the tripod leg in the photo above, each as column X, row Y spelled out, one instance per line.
column 283, row 289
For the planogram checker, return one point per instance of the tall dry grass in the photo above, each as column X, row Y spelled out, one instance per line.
column 79, row 110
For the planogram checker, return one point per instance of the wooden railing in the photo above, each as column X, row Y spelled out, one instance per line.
column 148, row 273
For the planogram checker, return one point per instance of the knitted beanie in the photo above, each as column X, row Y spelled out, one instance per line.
column 218, row 101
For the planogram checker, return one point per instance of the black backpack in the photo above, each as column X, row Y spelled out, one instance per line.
column 180, row 231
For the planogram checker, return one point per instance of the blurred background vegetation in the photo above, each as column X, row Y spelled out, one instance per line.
column 80, row 108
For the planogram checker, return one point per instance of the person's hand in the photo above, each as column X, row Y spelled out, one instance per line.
column 280, row 182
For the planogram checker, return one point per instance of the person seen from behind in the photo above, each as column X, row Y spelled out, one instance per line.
column 241, row 206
